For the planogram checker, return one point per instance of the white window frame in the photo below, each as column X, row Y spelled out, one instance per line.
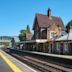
column 52, row 36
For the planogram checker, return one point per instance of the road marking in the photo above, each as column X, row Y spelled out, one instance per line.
column 12, row 66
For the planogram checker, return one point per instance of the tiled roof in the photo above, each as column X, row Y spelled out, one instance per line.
column 45, row 21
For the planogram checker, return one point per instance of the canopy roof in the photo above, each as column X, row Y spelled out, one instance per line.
column 65, row 37
column 33, row 41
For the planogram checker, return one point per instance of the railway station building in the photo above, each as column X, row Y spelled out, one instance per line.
column 47, row 29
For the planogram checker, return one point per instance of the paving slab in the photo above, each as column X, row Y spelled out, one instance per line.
column 4, row 66
column 23, row 67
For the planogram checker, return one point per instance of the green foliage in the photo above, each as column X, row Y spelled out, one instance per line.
column 28, row 29
column 68, row 26
column 22, row 35
column 4, row 43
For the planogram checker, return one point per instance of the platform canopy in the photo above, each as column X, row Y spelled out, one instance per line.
column 34, row 41
column 65, row 37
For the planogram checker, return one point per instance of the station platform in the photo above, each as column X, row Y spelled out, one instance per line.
column 11, row 64
column 4, row 66
column 51, row 55
column 47, row 54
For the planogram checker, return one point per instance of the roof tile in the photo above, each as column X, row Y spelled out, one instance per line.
column 45, row 21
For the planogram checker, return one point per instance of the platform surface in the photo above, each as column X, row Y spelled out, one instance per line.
column 48, row 54
column 11, row 64
column 4, row 66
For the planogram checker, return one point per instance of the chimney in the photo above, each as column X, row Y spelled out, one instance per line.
column 49, row 13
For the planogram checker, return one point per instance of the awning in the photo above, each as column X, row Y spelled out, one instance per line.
column 65, row 37
column 34, row 41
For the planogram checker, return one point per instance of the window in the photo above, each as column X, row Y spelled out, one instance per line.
column 53, row 35
column 36, row 35
column 57, row 46
column 65, row 47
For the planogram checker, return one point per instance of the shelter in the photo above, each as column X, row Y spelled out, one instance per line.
column 64, row 44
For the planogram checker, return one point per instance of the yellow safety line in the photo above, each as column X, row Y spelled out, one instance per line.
column 12, row 66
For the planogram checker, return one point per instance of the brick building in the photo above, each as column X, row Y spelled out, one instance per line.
column 46, row 29
column 47, row 26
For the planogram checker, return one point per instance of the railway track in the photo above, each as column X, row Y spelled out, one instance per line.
column 42, row 63
column 41, row 66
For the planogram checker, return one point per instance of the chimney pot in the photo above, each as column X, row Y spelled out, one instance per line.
column 49, row 12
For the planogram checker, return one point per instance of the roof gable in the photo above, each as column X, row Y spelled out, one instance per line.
column 35, row 25
column 45, row 21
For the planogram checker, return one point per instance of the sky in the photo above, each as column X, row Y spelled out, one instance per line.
column 17, row 14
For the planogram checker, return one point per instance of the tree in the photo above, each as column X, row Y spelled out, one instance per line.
column 28, row 29
column 22, row 35
column 68, row 26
